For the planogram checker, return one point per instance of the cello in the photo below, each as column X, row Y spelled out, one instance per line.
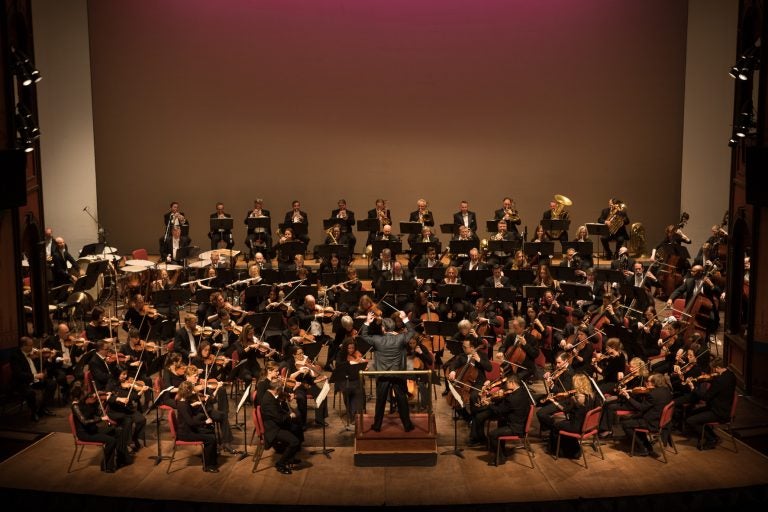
column 437, row 342
column 699, row 310
column 465, row 377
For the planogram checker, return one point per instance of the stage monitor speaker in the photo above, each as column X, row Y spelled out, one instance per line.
column 756, row 173
column 13, row 193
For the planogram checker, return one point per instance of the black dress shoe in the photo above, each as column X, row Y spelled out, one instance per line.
column 376, row 428
column 211, row 469
column 231, row 450
column 109, row 470
column 409, row 428
column 321, row 423
column 445, row 393
column 283, row 469
column 294, row 462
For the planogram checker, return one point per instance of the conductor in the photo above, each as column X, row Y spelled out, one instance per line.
column 390, row 356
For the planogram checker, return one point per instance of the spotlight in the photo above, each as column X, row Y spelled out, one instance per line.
column 26, row 127
column 733, row 141
column 24, row 68
column 743, row 124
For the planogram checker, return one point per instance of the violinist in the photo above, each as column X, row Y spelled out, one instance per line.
column 269, row 375
column 249, row 353
column 418, row 357
column 140, row 351
column 300, row 368
column 194, row 425
column 390, row 355
column 366, row 305
column 187, row 338
column 686, row 370
column 29, row 377
column 93, row 424
column 214, row 401
column 125, row 408
column 294, row 335
column 103, row 365
column 580, row 400
column 349, row 363
column 669, row 344
column 719, row 401
column 647, row 412
column 634, row 380
column 140, row 315
column 581, row 350
column 345, row 331
column 519, row 347
column 610, row 365
column 470, row 358
column 648, row 333
column 560, row 380
column 99, row 327
column 280, row 428
column 62, row 366
column 509, row 405
column 213, row 365
column 174, row 373
column 310, row 314
column 224, row 330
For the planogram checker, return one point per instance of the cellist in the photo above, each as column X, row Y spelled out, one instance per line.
column 521, row 348
column 467, row 373
column 698, row 283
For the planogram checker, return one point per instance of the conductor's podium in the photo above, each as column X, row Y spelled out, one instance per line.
column 393, row 446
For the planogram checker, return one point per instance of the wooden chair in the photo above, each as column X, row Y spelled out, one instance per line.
column 80, row 444
column 727, row 424
column 657, row 434
column 172, row 422
column 523, row 439
column 589, row 428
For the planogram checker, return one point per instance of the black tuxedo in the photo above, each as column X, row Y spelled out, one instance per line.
column 59, row 266
column 621, row 234
column 458, row 220
column 278, row 427
column 221, row 235
column 166, row 248
column 511, row 226
column 261, row 240
column 181, row 343
column 288, row 221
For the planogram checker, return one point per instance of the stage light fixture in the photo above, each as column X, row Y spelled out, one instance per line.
column 26, row 127
column 24, row 68
column 743, row 124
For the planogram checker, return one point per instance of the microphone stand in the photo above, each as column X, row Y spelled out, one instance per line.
column 159, row 457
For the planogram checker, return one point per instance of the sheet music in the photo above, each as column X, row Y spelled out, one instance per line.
column 323, row 393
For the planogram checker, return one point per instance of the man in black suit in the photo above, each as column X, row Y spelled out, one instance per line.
column 59, row 258
column 29, row 377
column 184, row 341
column 423, row 215
column 346, row 220
column 464, row 217
column 102, row 372
column 172, row 244
column 719, row 401
column 280, row 428
column 549, row 215
column 508, row 212
column 221, row 235
column 259, row 239
column 382, row 213
column 296, row 217
column 618, row 212
column 173, row 218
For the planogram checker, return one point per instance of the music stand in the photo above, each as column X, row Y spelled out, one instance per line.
column 520, row 278
column 475, row 278
column 567, row 274
column 505, row 246
column 396, row 246
column 352, row 297
column 172, row 296
column 258, row 222
column 290, row 248
column 420, row 248
column 156, row 406
column 324, row 251
column 370, row 225
column 330, row 279
column 203, row 295
column 546, row 249
column 574, row 291
column 499, row 294
column 433, row 273
column 600, row 230
column 256, row 291
column 221, row 225
column 270, row 276
column 453, row 346
column 550, row 225
column 449, row 229
column 394, row 288
column 453, row 291
column 96, row 249
column 535, row 292
column 410, row 228
column 492, row 226
column 606, row 275
column 582, row 248
column 463, row 246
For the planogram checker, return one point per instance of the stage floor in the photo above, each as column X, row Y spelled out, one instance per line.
column 335, row 481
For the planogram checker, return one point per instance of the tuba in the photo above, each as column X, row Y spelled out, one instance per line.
column 616, row 219
column 559, row 213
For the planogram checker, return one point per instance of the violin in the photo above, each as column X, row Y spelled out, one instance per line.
column 75, row 342
column 138, row 386
column 107, row 322
column 303, row 338
column 118, row 357
column 150, row 312
column 492, row 396
column 556, row 397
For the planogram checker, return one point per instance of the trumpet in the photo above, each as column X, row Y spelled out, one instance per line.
column 297, row 217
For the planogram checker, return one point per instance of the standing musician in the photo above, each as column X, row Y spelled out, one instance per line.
column 422, row 215
column 259, row 239
column 300, row 368
column 346, row 220
column 390, row 350
column 509, row 213
column 617, row 219
column 29, row 376
column 171, row 245
column 92, row 424
column 174, row 217
column 647, row 413
column 349, row 363
column 473, row 357
column 580, row 400
column 719, row 401
column 520, row 347
column 382, row 213
column 559, row 380
column 222, row 235
column 195, row 425
column 296, row 216
column 280, row 427
column 464, row 217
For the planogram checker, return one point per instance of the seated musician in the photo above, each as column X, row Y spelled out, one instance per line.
column 581, row 350
column 648, row 332
column 623, row 262
column 508, row 213
column 549, row 214
column 400, row 301
column 349, row 362
column 286, row 250
column 261, row 261
column 280, row 428
column 125, row 408
column 140, row 315
column 423, row 215
column 62, row 275
column 346, row 220
column 295, row 216
column 719, row 401
column 429, row 261
column 635, row 377
column 171, row 245
column 62, row 365
column 382, row 213
column 487, row 312
column 418, row 357
column 670, row 344
column 221, row 235
column 259, row 239
column 463, row 364
column 299, row 367
column 559, row 380
column 99, row 328
column 212, row 361
column 550, row 313
column 647, row 412
column 464, row 234
column 610, row 365
column 195, row 425
column 333, row 265
column 500, row 257
column 583, row 236
column 699, row 283
column 103, row 365
column 171, row 376
column 616, row 212
column 225, row 330
column 573, row 260
column 580, row 400
column 381, row 265
column 310, row 315
column 544, row 278
column 186, row 338
column 30, row 377
column 528, row 345
column 92, row 424
column 498, row 280
column 138, row 351
column 644, row 280
column 474, row 262
column 453, row 309
column 215, row 403
column 510, row 409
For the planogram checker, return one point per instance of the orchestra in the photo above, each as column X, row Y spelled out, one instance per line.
column 281, row 316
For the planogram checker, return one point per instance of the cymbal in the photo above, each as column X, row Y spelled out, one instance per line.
column 230, row 253
column 139, row 263
column 168, row 266
column 133, row 269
